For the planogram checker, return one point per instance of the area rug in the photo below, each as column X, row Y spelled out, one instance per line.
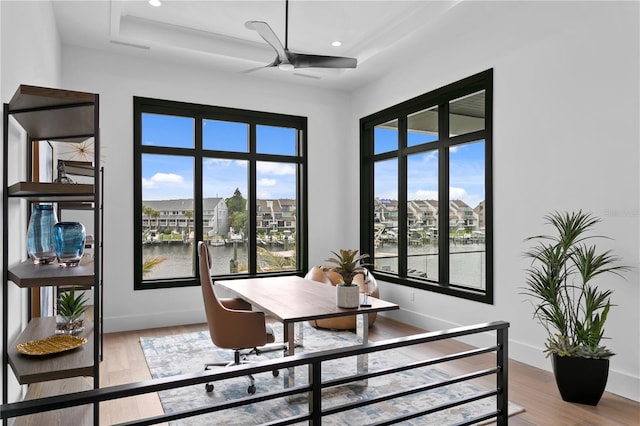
column 187, row 353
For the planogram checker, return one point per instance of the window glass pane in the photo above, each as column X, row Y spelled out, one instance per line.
column 422, row 127
column 385, row 188
column 167, row 216
column 275, row 140
column 225, row 136
column 466, row 114
column 385, row 137
column 167, row 130
column 422, row 215
column 276, row 216
column 467, row 261
column 224, row 214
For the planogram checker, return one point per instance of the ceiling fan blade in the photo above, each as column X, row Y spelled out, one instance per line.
column 270, row 37
column 272, row 64
column 303, row 60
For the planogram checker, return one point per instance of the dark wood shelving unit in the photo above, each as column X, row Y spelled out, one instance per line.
column 26, row 274
column 32, row 369
column 56, row 116
column 52, row 192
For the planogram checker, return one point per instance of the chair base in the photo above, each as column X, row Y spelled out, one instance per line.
column 237, row 361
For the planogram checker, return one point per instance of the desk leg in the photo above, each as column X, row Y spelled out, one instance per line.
column 290, row 349
column 299, row 340
column 293, row 336
column 362, row 329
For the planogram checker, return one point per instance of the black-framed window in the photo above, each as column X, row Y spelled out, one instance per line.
column 426, row 199
column 234, row 178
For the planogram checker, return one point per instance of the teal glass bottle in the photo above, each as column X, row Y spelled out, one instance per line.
column 69, row 243
column 40, row 240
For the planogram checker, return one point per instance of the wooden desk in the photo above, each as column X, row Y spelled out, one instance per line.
column 293, row 299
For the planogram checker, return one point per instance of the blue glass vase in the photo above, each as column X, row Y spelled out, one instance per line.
column 69, row 241
column 40, row 240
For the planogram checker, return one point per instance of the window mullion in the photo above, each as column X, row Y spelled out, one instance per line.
column 443, row 195
column 402, row 197
column 198, row 212
column 252, row 201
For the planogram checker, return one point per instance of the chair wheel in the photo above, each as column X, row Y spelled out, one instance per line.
column 208, row 387
column 251, row 389
column 276, row 373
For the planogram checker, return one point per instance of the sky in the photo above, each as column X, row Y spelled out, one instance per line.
column 466, row 170
column 171, row 177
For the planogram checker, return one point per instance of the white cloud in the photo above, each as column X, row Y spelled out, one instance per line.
column 267, row 182
column 458, row 193
column 162, row 179
column 217, row 161
column 424, row 194
column 268, row 168
column 264, row 195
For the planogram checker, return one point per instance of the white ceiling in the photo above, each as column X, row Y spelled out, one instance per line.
column 212, row 33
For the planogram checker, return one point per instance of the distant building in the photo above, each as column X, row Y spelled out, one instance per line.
column 423, row 214
column 271, row 215
column 481, row 216
column 171, row 214
column 276, row 215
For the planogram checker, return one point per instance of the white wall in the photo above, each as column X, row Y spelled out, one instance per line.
column 566, row 137
column 30, row 46
column 29, row 54
column 117, row 79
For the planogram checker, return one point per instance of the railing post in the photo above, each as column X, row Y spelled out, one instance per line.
column 315, row 399
column 503, row 375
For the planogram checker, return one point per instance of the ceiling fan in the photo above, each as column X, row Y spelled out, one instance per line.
column 288, row 60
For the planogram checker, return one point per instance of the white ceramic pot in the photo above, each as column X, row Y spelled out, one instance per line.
column 347, row 296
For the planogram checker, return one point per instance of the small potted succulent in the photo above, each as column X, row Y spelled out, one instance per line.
column 70, row 316
column 348, row 266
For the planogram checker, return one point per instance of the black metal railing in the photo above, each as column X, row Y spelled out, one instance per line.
column 313, row 389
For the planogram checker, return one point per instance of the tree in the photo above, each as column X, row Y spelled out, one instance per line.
column 237, row 207
column 189, row 215
column 236, row 203
column 238, row 221
column 152, row 213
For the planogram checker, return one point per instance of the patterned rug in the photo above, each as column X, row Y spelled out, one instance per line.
column 187, row 353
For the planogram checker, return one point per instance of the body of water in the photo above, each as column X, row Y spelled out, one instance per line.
column 181, row 259
column 467, row 261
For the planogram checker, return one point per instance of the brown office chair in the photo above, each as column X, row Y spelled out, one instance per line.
column 232, row 323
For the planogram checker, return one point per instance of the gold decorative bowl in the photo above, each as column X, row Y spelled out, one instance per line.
column 51, row 345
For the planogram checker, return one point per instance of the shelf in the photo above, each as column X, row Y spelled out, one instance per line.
column 81, row 415
column 54, row 114
column 26, row 274
column 32, row 369
column 64, row 116
column 52, row 192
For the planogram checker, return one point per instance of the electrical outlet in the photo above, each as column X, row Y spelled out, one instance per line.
column 412, row 296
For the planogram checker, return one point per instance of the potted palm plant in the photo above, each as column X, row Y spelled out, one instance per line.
column 569, row 304
column 348, row 266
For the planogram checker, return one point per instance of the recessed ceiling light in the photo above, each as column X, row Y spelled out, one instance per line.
column 336, row 43
column 155, row 3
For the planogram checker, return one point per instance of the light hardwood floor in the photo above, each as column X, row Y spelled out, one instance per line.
column 532, row 388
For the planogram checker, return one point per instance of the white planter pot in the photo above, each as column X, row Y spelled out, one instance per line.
column 347, row 296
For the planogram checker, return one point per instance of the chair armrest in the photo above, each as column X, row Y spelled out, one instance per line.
column 236, row 303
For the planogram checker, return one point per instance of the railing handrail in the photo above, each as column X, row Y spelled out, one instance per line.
column 314, row 360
